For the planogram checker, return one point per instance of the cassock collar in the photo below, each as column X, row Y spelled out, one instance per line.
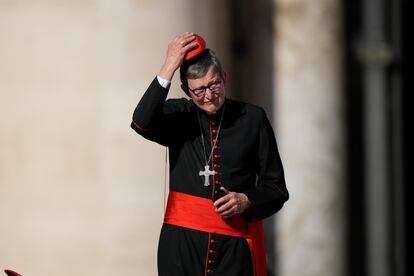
column 206, row 116
column 234, row 110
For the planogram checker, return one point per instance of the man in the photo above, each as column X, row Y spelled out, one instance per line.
column 225, row 171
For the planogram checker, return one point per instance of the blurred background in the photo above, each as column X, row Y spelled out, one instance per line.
column 82, row 194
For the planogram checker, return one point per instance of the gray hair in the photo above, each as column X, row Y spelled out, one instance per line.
column 198, row 66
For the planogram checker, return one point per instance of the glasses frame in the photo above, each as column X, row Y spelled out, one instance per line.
column 201, row 91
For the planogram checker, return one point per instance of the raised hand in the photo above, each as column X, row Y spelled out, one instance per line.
column 176, row 51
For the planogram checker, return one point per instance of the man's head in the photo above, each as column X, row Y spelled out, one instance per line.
column 203, row 79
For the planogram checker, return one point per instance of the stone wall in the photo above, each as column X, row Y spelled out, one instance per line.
column 80, row 192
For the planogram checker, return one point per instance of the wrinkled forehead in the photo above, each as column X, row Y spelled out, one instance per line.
column 211, row 75
column 212, row 72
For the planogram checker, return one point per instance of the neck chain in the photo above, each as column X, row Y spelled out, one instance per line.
column 206, row 173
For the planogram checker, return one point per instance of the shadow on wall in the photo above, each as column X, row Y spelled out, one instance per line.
column 252, row 73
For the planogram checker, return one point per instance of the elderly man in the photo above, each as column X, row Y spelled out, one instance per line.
column 225, row 171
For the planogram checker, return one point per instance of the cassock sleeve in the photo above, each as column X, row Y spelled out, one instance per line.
column 270, row 193
column 150, row 118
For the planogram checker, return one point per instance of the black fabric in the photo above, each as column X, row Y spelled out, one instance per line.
column 183, row 252
column 245, row 159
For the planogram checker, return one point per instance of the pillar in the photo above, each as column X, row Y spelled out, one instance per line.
column 310, row 126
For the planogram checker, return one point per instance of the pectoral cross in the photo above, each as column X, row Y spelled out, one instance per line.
column 206, row 173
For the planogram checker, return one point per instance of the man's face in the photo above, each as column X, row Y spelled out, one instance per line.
column 207, row 92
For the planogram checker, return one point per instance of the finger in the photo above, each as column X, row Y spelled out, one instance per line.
column 228, row 213
column 190, row 46
column 220, row 201
column 183, row 35
column 225, row 190
column 223, row 199
column 189, row 36
column 185, row 39
column 229, row 205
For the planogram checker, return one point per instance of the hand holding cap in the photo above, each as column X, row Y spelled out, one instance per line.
column 181, row 49
column 201, row 46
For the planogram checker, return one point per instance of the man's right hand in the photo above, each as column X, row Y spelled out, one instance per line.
column 176, row 51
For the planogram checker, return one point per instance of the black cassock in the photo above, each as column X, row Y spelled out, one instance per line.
column 245, row 158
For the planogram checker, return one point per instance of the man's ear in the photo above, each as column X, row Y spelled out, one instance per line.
column 185, row 89
column 224, row 77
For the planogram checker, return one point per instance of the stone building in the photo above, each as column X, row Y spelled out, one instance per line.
column 82, row 194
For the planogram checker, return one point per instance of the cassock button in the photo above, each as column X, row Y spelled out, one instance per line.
column 216, row 155
column 210, row 261
column 212, row 251
column 216, row 166
column 212, row 241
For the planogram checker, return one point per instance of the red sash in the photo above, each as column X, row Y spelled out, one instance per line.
column 199, row 213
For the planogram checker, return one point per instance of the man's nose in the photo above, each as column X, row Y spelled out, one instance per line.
column 208, row 94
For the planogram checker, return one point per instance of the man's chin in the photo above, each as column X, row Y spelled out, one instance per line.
column 210, row 110
column 210, row 107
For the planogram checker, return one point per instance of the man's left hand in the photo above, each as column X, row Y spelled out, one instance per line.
column 231, row 204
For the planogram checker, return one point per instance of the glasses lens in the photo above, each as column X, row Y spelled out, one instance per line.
column 214, row 87
column 199, row 91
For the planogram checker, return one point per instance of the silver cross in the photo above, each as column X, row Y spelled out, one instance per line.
column 206, row 173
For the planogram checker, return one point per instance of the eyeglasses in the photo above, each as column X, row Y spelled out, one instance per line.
column 201, row 91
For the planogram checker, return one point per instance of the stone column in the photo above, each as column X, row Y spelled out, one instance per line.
column 309, row 117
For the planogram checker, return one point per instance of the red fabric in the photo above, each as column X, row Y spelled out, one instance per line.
column 199, row 213
column 201, row 46
column 11, row 273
